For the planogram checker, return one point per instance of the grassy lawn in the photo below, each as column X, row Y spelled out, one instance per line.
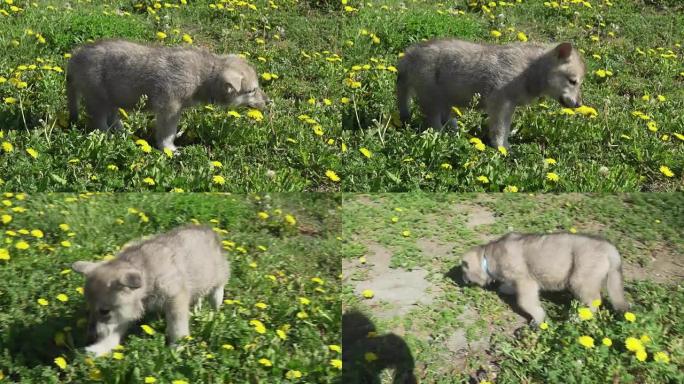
column 399, row 262
column 285, row 273
column 635, row 82
column 288, row 41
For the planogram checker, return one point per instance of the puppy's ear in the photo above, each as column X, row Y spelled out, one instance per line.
column 131, row 279
column 84, row 267
column 564, row 51
column 233, row 79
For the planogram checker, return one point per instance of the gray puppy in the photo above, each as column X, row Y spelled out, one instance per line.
column 448, row 72
column 170, row 272
column 527, row 263
column 112, row 74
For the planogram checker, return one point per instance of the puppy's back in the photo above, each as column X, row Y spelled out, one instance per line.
column 189, row 256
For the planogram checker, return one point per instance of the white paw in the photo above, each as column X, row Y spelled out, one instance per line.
column 96, row 350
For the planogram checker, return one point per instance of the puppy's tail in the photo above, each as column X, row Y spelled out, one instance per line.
column 72, row 99
column 403, row 94
column 614, row 283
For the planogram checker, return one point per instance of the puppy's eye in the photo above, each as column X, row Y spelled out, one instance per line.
column 572, row 81
column 465, row 265
column 104, row 311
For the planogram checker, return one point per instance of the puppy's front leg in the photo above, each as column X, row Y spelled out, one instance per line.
column 177, row 311
column 528, row 299
column 499, row 123
column 108, row 343
column 167, row 126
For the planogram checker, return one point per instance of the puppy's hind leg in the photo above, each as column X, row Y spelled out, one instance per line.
column 499, row 123
column 588, row 291
column 403, row 98
column 98, row 115
column 528, row 299
column 177, row 311
column 216, row 297
column 114, row 120
column 167, row 126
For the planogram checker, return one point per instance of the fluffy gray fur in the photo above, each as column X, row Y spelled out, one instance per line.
column 528, row 263
column 168, row 272
column 112, row 74
column 448, row 72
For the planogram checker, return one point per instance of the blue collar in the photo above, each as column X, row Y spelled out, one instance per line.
column 484, row 268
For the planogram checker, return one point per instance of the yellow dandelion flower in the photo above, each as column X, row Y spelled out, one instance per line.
column 6, row 219
column 522, row 36
column 259, row 327
column 161, row 35
column 187, row 38
column 290, row 219
column 585, row 314
column 293, row 374
column 4, row 254
column 227, row 347
column 65, row 243
column 335, row 348
column 63, row 298
column 150, row 380
column 147, row 329
column 37, row 233
column 366, row 152
column 336, row 363
column 596, row 303
column 552, row 176
column 661, row 357
column 641, row 355
column 255, row 114
column 483, row 179
column 32, row 152
column 645, row 339
column 22, row 245
column 7, row 147
column 302, row 315
column 263, row 215
column 332, row 175
column 265, row 362
column 607, row 342
column 117, row 356
column 633, row 344
column 495, row 34
column 218, row 179
column 665, row 170
column 149, row 181
column 368, row 294
column 60, row 362
column 586, row 341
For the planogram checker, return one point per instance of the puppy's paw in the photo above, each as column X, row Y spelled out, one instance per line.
column 96, row 350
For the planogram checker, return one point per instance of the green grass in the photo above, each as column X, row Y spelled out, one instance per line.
column 273, row 262
column 645, row 227
column 615, row 151
column 280, row 153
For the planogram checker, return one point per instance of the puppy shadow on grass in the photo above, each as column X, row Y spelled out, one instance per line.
column 385, row 351
column 33, row 344
column 558, row 300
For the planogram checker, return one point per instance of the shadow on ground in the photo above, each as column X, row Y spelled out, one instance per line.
column 560, row 301
column 360, row 343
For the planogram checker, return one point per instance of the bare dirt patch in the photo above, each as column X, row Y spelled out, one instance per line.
column 663, row 267
column 434, row 248
column 396, row 290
